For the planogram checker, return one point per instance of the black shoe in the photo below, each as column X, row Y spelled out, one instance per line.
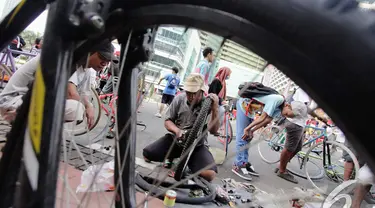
column 251, row 169
column 241, row 172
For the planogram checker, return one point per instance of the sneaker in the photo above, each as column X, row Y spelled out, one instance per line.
column 241, row 172
column 158, row 115
column 287, row 176
column 251, row 169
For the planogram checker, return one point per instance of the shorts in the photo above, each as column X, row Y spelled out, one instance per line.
column 294, row 134
column 167, row 99
column 200, row 158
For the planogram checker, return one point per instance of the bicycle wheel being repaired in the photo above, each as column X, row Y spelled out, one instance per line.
column 286, row 33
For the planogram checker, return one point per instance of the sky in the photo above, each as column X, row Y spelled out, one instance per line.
column 39, row 23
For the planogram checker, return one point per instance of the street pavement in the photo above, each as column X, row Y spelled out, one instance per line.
column 267, row 181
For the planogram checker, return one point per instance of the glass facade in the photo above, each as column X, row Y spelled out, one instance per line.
column 191, row 64
column 170, row 48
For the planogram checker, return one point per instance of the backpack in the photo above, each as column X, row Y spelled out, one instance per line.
column 254, row 89
column 173, row 82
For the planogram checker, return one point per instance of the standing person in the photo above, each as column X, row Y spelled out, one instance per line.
column 203, row 66
column 271, row 105
column 294, row 125
column 218, row 86
column 17, row 44
column 170, row 89
column 37, row 47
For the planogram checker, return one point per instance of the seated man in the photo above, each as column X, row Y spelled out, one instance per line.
column 79, row 85
column 181, row 115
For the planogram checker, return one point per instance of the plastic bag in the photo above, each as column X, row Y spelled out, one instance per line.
column 97, row 178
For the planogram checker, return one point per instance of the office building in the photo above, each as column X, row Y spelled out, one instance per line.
column 278, row 80
column 240, row 74
column 173, row 47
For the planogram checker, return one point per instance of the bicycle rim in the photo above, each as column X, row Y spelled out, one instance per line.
column 269, row 147
column 315, row 171
column 80, row 129
column 332, row 169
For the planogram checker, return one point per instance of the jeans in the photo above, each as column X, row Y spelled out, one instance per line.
column 242, row 121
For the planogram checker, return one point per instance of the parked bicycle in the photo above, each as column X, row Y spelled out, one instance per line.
column 321, row 159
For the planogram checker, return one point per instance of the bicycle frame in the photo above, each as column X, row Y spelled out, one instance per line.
column 9, row 59
column 323, row 134
column 111, row 111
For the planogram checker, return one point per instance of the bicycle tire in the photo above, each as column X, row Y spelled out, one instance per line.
column 230, row 136
column 303, row 175
column 193, row 135
column 98, row 113
column 333, row 143
column 265, row 130
column 146, row 184
column 287, row 20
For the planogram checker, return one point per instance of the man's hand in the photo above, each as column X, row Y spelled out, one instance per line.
column 215, row 101
column 179, row 133
column 9, row 115
column 90, row 116
column 247, row 134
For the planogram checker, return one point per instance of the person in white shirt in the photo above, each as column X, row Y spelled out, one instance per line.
column 78, row 89
column 301, row 96
column 294, row 125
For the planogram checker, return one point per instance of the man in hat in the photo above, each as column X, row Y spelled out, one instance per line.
column 180, row 116
column 79, row 86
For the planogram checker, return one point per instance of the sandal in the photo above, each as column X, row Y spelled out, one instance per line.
column 287, row 176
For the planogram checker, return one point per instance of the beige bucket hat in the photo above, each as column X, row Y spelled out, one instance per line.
column 194, row 82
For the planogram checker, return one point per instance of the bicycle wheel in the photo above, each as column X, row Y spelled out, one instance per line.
column 224, row 132
column 332, row 164
column 270, row 144
column 283, row 32
column 297, row 167
column 81, row 128
column 193, row 138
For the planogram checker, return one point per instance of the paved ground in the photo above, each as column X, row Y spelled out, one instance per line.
column 267, row 181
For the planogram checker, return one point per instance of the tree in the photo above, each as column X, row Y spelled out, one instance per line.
column 29, row 37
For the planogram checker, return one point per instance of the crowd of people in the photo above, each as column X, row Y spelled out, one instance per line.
column 182, row 111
